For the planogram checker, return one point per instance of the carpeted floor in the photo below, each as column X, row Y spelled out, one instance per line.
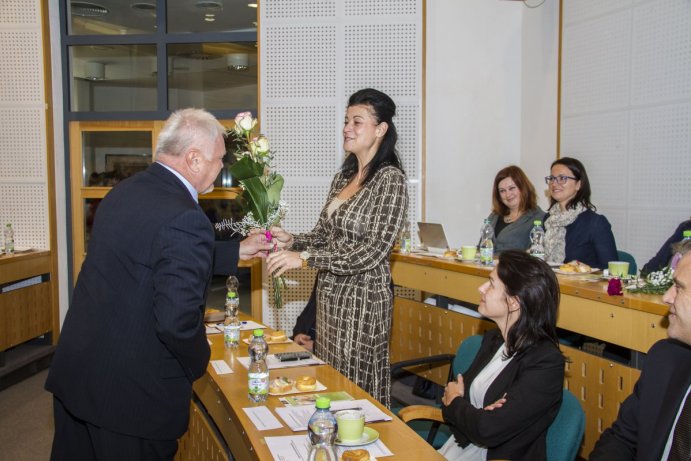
column 26, row 420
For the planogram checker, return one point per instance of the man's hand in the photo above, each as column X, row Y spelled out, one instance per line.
column 255, row 245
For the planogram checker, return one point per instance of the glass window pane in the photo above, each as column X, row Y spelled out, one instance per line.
column 108, row 17
column 216, row 76
column 111, row 156
column 211, row 16
column 113, row 78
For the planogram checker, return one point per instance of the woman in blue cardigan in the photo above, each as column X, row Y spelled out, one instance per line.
column 514, row 208
column 572, row 228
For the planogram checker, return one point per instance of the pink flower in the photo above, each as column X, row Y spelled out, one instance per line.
column 268, row 235
column 614, row 287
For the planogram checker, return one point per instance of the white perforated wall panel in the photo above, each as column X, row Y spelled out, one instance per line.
column 314, row 55
column 626, row 83
column 23, row 175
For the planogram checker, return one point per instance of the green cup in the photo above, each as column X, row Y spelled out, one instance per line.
column 618, row 268
column 468, row 252
column 351, row 425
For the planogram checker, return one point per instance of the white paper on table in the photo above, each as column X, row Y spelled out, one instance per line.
column 262, row 418
column 214, row 329
column 297, row 448
column 221, row 367
column 297, row 417
column 250, row 325
column 273, row 363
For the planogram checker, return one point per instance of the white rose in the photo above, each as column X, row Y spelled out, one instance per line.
column 261, row 144
column 245, row 122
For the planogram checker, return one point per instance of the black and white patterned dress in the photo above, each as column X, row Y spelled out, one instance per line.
column 351, row 249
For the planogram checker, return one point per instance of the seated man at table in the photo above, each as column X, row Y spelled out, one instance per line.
column 664, row 254
column 654, row 423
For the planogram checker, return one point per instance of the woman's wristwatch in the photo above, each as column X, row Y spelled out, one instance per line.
column 305, row 255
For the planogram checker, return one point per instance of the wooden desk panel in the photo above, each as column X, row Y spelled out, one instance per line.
column 633, row 321
column 224, row 397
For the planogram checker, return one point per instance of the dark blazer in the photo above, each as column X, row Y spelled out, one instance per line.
column 645, row 418
column 533, row 383
column 664, row 254
column 133, row 339
column 589, row 239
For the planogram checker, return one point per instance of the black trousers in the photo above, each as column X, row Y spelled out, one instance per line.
column 78, row 440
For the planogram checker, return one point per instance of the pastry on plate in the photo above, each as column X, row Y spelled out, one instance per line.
column 575, row 267
column 450, row 253
column 355, row 455
column 306, row 383
column 281, row 385
column 277, row 336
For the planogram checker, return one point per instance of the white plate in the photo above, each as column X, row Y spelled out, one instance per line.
column 559, row 271
column 294, row 390
column 368, row 436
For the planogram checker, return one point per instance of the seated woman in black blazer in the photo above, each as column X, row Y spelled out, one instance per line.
column 572, row 228
column 502, row 407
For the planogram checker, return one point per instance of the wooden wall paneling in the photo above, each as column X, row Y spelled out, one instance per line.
column 200, row 442
column 600, row 385
column 422, row 330
column 25, row 313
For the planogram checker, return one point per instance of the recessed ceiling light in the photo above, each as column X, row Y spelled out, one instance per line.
column 143, row 6
column 252, row 5
column 87, row 9
column 210, row 19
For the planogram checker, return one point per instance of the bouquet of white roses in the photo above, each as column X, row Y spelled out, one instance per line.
column 261, row 186
column 654, row 283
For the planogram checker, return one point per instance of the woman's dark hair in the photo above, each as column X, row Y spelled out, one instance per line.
column 535, row 286
column 583, row 194
column 528, row 197
column 383, row 108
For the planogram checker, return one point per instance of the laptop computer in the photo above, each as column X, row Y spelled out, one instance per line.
column 432, row 238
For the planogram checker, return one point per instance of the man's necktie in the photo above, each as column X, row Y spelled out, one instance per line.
column 681, row 440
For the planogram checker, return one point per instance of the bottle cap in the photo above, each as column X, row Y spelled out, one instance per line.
column 537, row 222
column 258, row 332
column 686, row 233
column 323, row 402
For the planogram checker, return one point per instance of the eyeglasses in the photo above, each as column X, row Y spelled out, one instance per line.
column 561, row 179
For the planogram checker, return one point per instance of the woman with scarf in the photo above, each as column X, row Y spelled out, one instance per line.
column 572, row 228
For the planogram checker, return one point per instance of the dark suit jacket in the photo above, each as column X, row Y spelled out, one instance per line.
column 646, row 416
column 664, row 254
column 589, row 239
column 133, row 339
column 533, row 384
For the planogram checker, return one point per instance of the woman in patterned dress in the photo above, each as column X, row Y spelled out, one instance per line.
column 351, row 244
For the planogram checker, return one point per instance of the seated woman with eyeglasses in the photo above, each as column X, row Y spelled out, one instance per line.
column 514, row 208
column 572, row 228
column 504, row 404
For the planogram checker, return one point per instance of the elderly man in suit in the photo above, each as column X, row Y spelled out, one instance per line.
column 133, row 340
column 654, row 423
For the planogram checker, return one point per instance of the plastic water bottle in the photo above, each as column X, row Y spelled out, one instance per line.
column 406, row 242
column 258, row 372
column 322, row 429
column 672, row 264
column 9, row 239
column 487, row 243
column 537, row 240
column 231, row 323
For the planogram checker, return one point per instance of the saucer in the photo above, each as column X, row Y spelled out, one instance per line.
column 368, row 436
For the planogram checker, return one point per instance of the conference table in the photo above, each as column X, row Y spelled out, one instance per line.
column 218, row 418
column 633, row 321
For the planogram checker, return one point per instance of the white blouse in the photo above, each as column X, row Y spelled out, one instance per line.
column 478, row 388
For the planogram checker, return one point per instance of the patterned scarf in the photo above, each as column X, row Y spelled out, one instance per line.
column 555, row 231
